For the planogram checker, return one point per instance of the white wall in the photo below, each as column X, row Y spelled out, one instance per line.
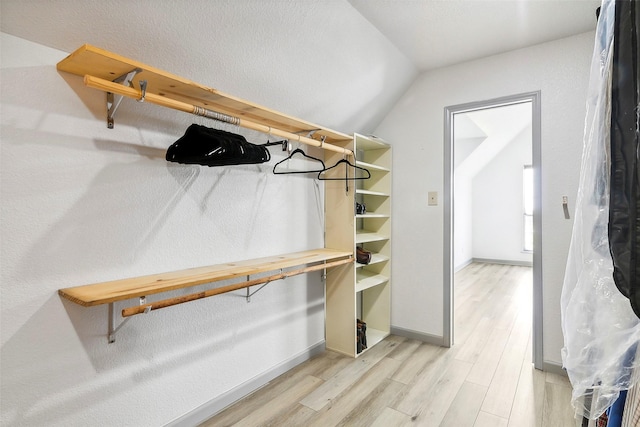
column 463, row 222
column 498, row 203
column 83, row 204
column 488, row 206
column 415, row 127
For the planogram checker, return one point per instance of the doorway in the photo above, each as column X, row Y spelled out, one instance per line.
column 458, row 251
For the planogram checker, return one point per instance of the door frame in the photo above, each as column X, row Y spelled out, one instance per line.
column 448, row 292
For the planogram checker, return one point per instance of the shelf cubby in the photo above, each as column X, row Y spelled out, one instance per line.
column 361, row 291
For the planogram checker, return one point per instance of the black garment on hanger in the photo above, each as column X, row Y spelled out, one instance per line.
column 624, row 199
column 213, row 147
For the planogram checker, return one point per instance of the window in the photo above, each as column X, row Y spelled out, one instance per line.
column 527, row 191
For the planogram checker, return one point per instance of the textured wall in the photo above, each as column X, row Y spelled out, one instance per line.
column 415, row 127
column 83, row 204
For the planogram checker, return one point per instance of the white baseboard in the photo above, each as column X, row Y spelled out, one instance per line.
column 463, row 265
column 504, row 261
column 212, row 407
column 420, row 336
column 554, row 368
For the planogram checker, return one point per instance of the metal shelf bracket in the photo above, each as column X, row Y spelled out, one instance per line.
column 113, row 100
column 113, row 329
column 250, row 294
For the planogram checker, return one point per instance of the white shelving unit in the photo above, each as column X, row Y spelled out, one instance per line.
column 360, row 291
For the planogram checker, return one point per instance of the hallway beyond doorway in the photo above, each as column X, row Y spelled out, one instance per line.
column 531, row 99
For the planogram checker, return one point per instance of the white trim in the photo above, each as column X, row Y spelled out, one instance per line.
column 554, row 368
column 420, row 336
column 536, row 143
column 503, row 261
column 463, row 265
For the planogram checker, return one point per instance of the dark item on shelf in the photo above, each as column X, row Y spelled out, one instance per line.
column 362, row 256
column 297, row 150
column 212, row 147
column 361, row 209
column 361, row 335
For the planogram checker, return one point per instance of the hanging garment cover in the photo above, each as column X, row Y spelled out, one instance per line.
column 599, row 327
column 624, row 204
column 212, row 147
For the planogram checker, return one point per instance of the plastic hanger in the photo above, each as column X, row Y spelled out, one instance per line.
column 297, row 150
column 346, row 178
column 346, row 172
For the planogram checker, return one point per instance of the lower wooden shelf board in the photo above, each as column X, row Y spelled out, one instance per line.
column 118, row 290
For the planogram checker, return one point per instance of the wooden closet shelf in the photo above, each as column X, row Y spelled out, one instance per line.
column 117, row 290
column 94, row 62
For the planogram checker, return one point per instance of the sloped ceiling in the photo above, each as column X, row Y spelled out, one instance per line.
column 317, row 60
column 495, row 128
column 340, row 63
column 437, row 33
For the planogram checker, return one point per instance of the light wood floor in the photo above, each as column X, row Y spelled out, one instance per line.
column 485, row 379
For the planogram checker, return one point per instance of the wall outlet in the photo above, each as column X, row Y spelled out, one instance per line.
column 433, row 198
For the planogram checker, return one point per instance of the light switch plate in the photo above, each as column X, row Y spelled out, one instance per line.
column 433, row 198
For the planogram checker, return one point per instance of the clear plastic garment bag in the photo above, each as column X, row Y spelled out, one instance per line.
column 601, row 330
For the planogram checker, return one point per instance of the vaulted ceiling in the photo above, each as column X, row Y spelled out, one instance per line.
column 437, row 33
column 480, row 135
column 342, row 63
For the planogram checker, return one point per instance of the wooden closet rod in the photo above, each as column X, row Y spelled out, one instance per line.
column 107, row 86
column 139, row 309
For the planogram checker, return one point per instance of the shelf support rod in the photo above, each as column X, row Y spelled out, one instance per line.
column 113, row 329
column 114, row 100
column 132, row 311
column 152, row 98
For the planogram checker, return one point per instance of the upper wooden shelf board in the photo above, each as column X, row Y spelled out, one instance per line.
column 118, row 290
column 93, row 61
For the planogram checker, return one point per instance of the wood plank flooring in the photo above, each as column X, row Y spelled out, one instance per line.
column 485, row 379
